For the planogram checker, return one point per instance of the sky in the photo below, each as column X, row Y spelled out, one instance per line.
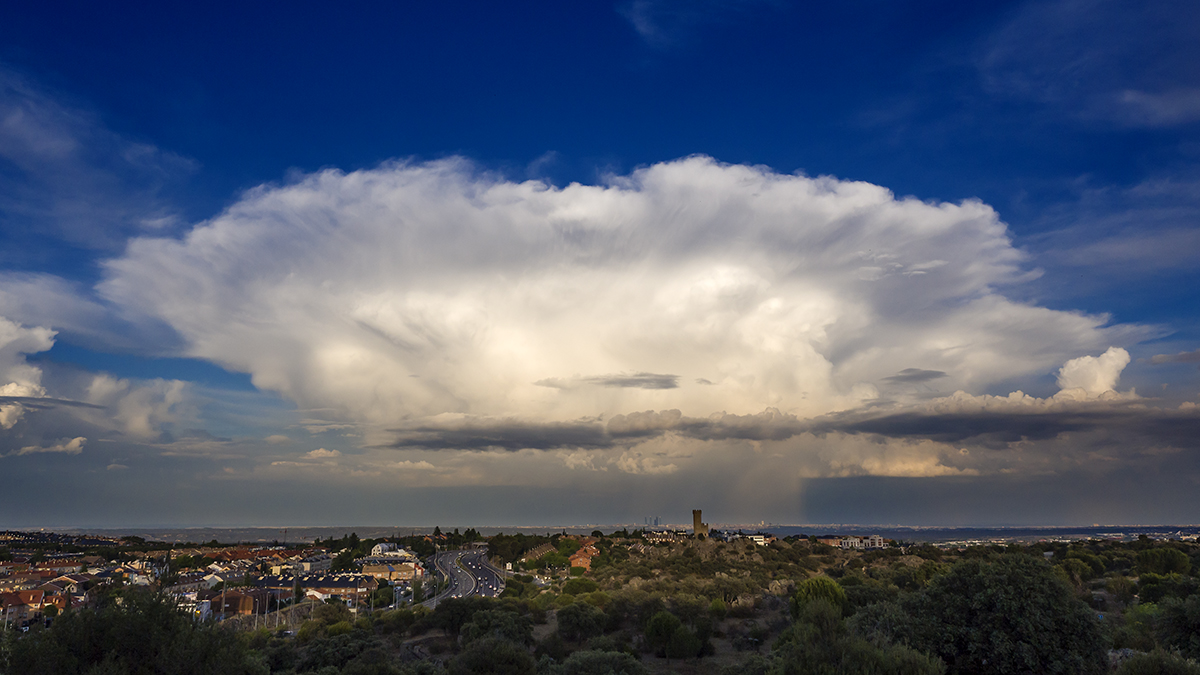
column 929, row 263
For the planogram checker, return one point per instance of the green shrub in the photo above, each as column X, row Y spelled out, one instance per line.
column 499, row 624
column 718, row 609
column 1178, row 625
column 1158, row 662
column 684, row 644
column 491, row 656
column 817, row 588
column 580, row 621
column 592, row 662
column 577, row 586
column 1163, row 560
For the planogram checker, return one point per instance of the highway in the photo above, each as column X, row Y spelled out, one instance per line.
column 469, row 573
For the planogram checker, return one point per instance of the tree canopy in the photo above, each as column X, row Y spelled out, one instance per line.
column 1009, row 614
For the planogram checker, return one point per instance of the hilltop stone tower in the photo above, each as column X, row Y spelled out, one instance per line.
column 699, row 529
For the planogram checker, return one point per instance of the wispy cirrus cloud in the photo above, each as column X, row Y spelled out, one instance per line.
column 66, row 176
column 1101, row 61
column 666, row 24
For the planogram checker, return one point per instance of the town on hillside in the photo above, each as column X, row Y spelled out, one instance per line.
column 632, row 602
column 43, row 574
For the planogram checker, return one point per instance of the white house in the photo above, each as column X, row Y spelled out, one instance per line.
column 383, row 549
column 860, row 543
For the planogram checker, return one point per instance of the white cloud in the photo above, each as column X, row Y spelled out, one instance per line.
column 19, row 379
column 409, row 465
column 415, row 290
column 1085, row 383
column 141, row 409
column 72, row 446
column 1094, row 375
column 322, row 453
column 634, row 462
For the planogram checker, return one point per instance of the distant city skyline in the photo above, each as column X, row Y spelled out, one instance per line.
column 922, row 264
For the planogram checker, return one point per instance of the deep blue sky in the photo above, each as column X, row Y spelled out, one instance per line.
column 1077, row 121
column 897, row 94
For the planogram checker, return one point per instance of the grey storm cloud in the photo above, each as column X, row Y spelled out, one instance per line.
column 1181, row 357
column 914, row 375
column 999, row 429
column 505, row 435
column 620, row 430
column 995, row 429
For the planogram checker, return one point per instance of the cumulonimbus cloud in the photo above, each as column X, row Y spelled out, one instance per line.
column 394, row 295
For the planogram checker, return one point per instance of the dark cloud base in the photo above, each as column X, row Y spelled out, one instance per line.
column 915, row 375
column 1135, row 425
column 620, row 380
column 39, row 403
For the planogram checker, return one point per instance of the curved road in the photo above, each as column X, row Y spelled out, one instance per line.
column 469, row 573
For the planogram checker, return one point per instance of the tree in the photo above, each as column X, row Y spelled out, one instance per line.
column 1010, row 614
column 1163, row 561
column 1158, row 662
column 144, row 633
column 1154, row 587
column 331, row 613
column 453, row 613
column 500, row 624
column 819, row 644
column 1178, row 625
column 580, row 621
column 343, row 561
column 660, row 628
